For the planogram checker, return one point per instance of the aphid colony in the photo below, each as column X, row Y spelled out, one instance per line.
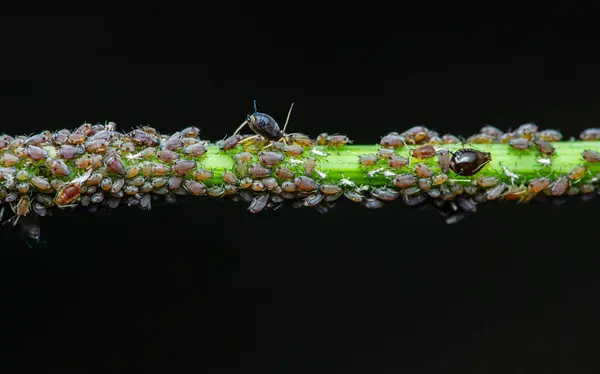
column 96, row 165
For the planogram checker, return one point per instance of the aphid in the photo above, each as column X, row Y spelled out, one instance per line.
column 467, row 161
column 480, row 139
column 288, row 186
column 243, row 157
column 590, row 134
column 257, row 186
column 58, row 167
column 96, row 145
column 259, row 203
column 174, row 182
column 398, row 162
column 160, row 169
column 137, row 181
column 385, row 153
column 269, row 183
column 322, row 138
column 354, row 196
column 115, row 165
column 538, row 184
column 450, row 139
column 230, row 142
column 414, row 200
column 302, row 140
column 166, row 156
column 573, row 191
column 117, row 185
column 215, row 191
column 203, row 174
column 495, row 192
column 423, row 152
column 444, row 159
column 520, row 143
column 424, row 184
column 131, row 171
column 194, row 188
column 130, row 190
column 405, row 180
column 422, row 171
column 373, row 203
column 492, row 131
column 190, row 132
column 560, row 186
column 263, row 125
column 415, row 135
column 527, row 130
column 507, row 137
column 385, row 194
column 367, row 160
column 194, row 150
column 318, row 152
column 545, row 161
column 487, row 181
column 20, row 152
column 159, row 182
column 269, row 158
column 38, row 139
column 258, row 171
column 146, row 187
column 514, row 192
column 510, row 174
column 183, row 166
column 338, row 140
column 466, row 204
column 23, row 187
column 284, row 173
column 440, row 179
column 550, row 135
column 22, row 175
column 229, row 177
column 241, row 169
column 147, row 139
column 305, row 184
column 392, row 140
column 591, row 156
column 330, row 189
column 294, row 150
column 313, row 199
column 543, row 146
column 76, row 138
column 40, row 183
column 36, row 153
column 577, row 172
column 172, row 144
column 586, row 188
column 310, row 165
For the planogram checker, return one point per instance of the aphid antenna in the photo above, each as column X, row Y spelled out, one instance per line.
column 288, row 118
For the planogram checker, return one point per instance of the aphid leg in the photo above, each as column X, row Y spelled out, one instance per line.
column 288, row 117
column 255, row 107
column 249, row 138
column 241, row 127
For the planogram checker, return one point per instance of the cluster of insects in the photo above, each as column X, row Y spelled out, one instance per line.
column 98, row 166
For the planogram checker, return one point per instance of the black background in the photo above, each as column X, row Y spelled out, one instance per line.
column 204, row 286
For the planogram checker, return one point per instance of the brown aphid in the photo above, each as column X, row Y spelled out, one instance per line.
column 367, row 160
column 174, row 182
column 487, row 181
column 405, row 180
column 288, row 186
column 147, row 169
column 507, row 137
column 166, row 156
column 190, row 132
column 229, row 177
column 130, row 190
column 69, row 152
column 269, row 183
column 435, row 140
column 423, row 152
column 322, row 138
column 173, row 144
column 68, row 194
column 117, row 185
column 23, row 187
column 150, row 130
column 590, row 134
column 8, row 159
column 450, row 139
column 480, row 139
column 467, row 161
column 203, row 174
column 294, row 150
column 494, row 193
column 591, row 156
column 330, row 189
column 313, row 200
column 243, row 157
column 310, row 165
column 560, row 186
column 183, row 166
column 269, row 158
column 40, row 183
column 440, row 179
column 392, row 140
column 160, row 182
column 305, row 184
column 259, row 203
column 137, row 181
column 444, row 160
column 550, row 135
column 132, row 171
column 514, row 193
column 338, row 140
column 245, row 183
column 230, row 143
column 415, row 134
column 301, row 139
column 148, row 152
column 572, row 191
column 194, row 188
column 284, row 173
column 147, row 139
column 354, row 196
column 106, row 184
column 19, row 141
column 58, row 167
column 84, row 129
column 492, row 131
column 424, row 184
column 38, row 139
column 373, row 203
column 190, row 141
column 577, row 172
column 278, row 146
column 76, row 138
column 586, row 188
column 20, row 152
column 411, row 191
column 257, row 186
column 422, row 171
column 520, row 143
column 259, row 171
column 96, row 145
column 398, row 162
column 160, row 170
column 36, row 153
column 385, row 194
column 543, row 146
column 538, row 184
column 385, row 153
column 114, row 164
column 527, row 130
